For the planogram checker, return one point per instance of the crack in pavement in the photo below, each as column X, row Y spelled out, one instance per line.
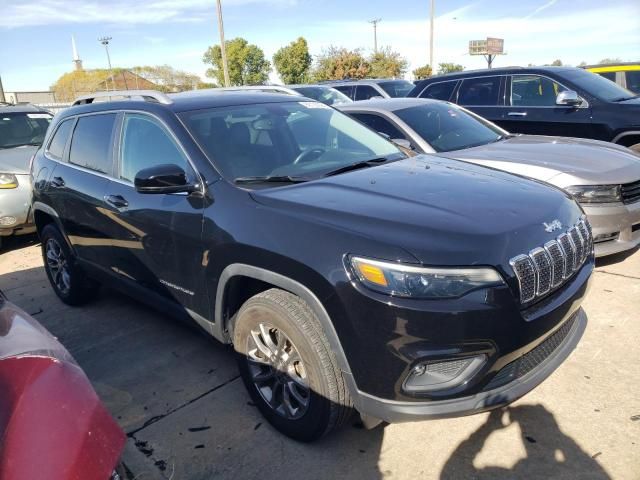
column 618, row 274
column 157, row 418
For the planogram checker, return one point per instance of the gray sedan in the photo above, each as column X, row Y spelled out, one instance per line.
column 603, row 177
column 22, row 130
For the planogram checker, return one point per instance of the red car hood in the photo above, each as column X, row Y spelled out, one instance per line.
column 52, row 424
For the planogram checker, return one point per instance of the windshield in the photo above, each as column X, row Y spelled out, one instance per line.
column 296, row 139
column 326, row 95
column 397, row 88
column 447, row 127
column 597, row 86
column 18, row 129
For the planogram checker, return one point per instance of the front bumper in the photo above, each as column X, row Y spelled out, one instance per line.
column 620, row 219
column 15, row 205
column 397, row 411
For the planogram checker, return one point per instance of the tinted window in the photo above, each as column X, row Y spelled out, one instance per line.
column 447, row 127
column 59, row 140
column 346, row 89
column 608, row 75
column 397, row 88
column 596, row 85
column 365, row 92
column 145, row 143
column 307, row 139
column 439, row 91
column 633, row 81
column 534, row 91
column 91, row 142
column 479, row 91
column 17, row 129
column 379, row 124
column 326, row 95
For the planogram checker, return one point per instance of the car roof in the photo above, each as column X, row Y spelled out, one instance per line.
column 497, row 71
column 21, row 108
column 363, row 81
column 387, row 104
column 190, row 100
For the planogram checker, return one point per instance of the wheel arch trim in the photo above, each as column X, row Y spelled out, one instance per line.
column 626, row 134
column 295, row 287
column 43, row 207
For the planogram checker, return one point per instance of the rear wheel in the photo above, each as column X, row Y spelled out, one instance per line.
column 68, row 281
column 288, row 367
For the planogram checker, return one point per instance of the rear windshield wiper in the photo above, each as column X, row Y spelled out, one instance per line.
column 356, row 166
column 270, row 179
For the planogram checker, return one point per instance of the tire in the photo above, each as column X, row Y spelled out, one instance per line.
column 311, row 397
column 69, row 282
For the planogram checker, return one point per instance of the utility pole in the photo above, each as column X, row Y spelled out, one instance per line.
column 431, row 39
column 223, row 50
column 105, row 41
column 2, row 99
column 375, row 33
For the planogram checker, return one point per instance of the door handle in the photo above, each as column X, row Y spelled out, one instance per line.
column 517, row 114
column 116, row 201
column 57, row 182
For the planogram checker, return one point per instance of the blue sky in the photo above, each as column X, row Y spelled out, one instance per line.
column 35, row 35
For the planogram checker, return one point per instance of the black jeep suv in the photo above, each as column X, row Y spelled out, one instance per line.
column 563, row 101
column 346, row 275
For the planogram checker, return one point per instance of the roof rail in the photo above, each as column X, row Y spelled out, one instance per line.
column 144, row 95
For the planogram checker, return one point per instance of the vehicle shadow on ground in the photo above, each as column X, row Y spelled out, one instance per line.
column 615, row 258
column 12, row 243
column 550, row 453
column 178, row 396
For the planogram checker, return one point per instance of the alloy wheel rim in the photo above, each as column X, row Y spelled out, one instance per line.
column 278, row 372
column 58, row 266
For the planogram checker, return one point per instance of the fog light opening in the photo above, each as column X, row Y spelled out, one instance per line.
column 605, row 237
column 7, row 220
column 432, row 376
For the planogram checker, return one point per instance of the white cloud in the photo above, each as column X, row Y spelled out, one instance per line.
column 550, row 3
column 21, row 13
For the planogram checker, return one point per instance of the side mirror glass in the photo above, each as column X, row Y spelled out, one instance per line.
column 569, row 98
column 162, row 179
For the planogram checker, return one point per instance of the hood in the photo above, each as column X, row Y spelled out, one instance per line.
column 583, row 161
column 443, row 212
column 16, row 160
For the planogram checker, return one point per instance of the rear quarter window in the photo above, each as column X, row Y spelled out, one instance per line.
column 91, row 143
column 59, row 140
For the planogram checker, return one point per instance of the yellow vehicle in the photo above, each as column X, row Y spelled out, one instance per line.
column 626, row 75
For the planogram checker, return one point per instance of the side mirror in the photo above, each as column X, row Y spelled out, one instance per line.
column 403, row 143
column 162, row 179
column 568, row 98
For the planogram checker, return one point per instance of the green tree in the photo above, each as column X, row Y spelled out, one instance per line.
column 449, row 68
column 337, row 63
column 423, row 72
column 247, row 65
column 385, row 63
column 168, row 78
column 556, row 63
column 610, row 60
column 293, row 62
column 582, row 64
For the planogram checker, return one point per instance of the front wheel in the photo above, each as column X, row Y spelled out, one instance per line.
column 69, row 282
column 288, row 367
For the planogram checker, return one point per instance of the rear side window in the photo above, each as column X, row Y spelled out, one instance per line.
column 479, row 91
column 608, row 75
column 91, row 142
column 633, row 81
column 346, row 89
column 379, row 124
column 59, row 140
column 439, row 91
column 145, row 143
column 365, row 92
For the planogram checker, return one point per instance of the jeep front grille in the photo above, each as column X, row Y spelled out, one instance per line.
column 544, row 269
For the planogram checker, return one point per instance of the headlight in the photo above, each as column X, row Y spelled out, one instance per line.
column 422, row 282
column 8, row 180
column 596, row 193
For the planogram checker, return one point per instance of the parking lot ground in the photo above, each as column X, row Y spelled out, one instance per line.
column 178, row 396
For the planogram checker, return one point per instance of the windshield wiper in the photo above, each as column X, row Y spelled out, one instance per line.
column 356, row 166
column 270, row 179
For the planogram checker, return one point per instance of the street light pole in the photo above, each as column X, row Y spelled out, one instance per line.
column 375, row 33
column 431, row 39
column 105, row 41
column 223, row 50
